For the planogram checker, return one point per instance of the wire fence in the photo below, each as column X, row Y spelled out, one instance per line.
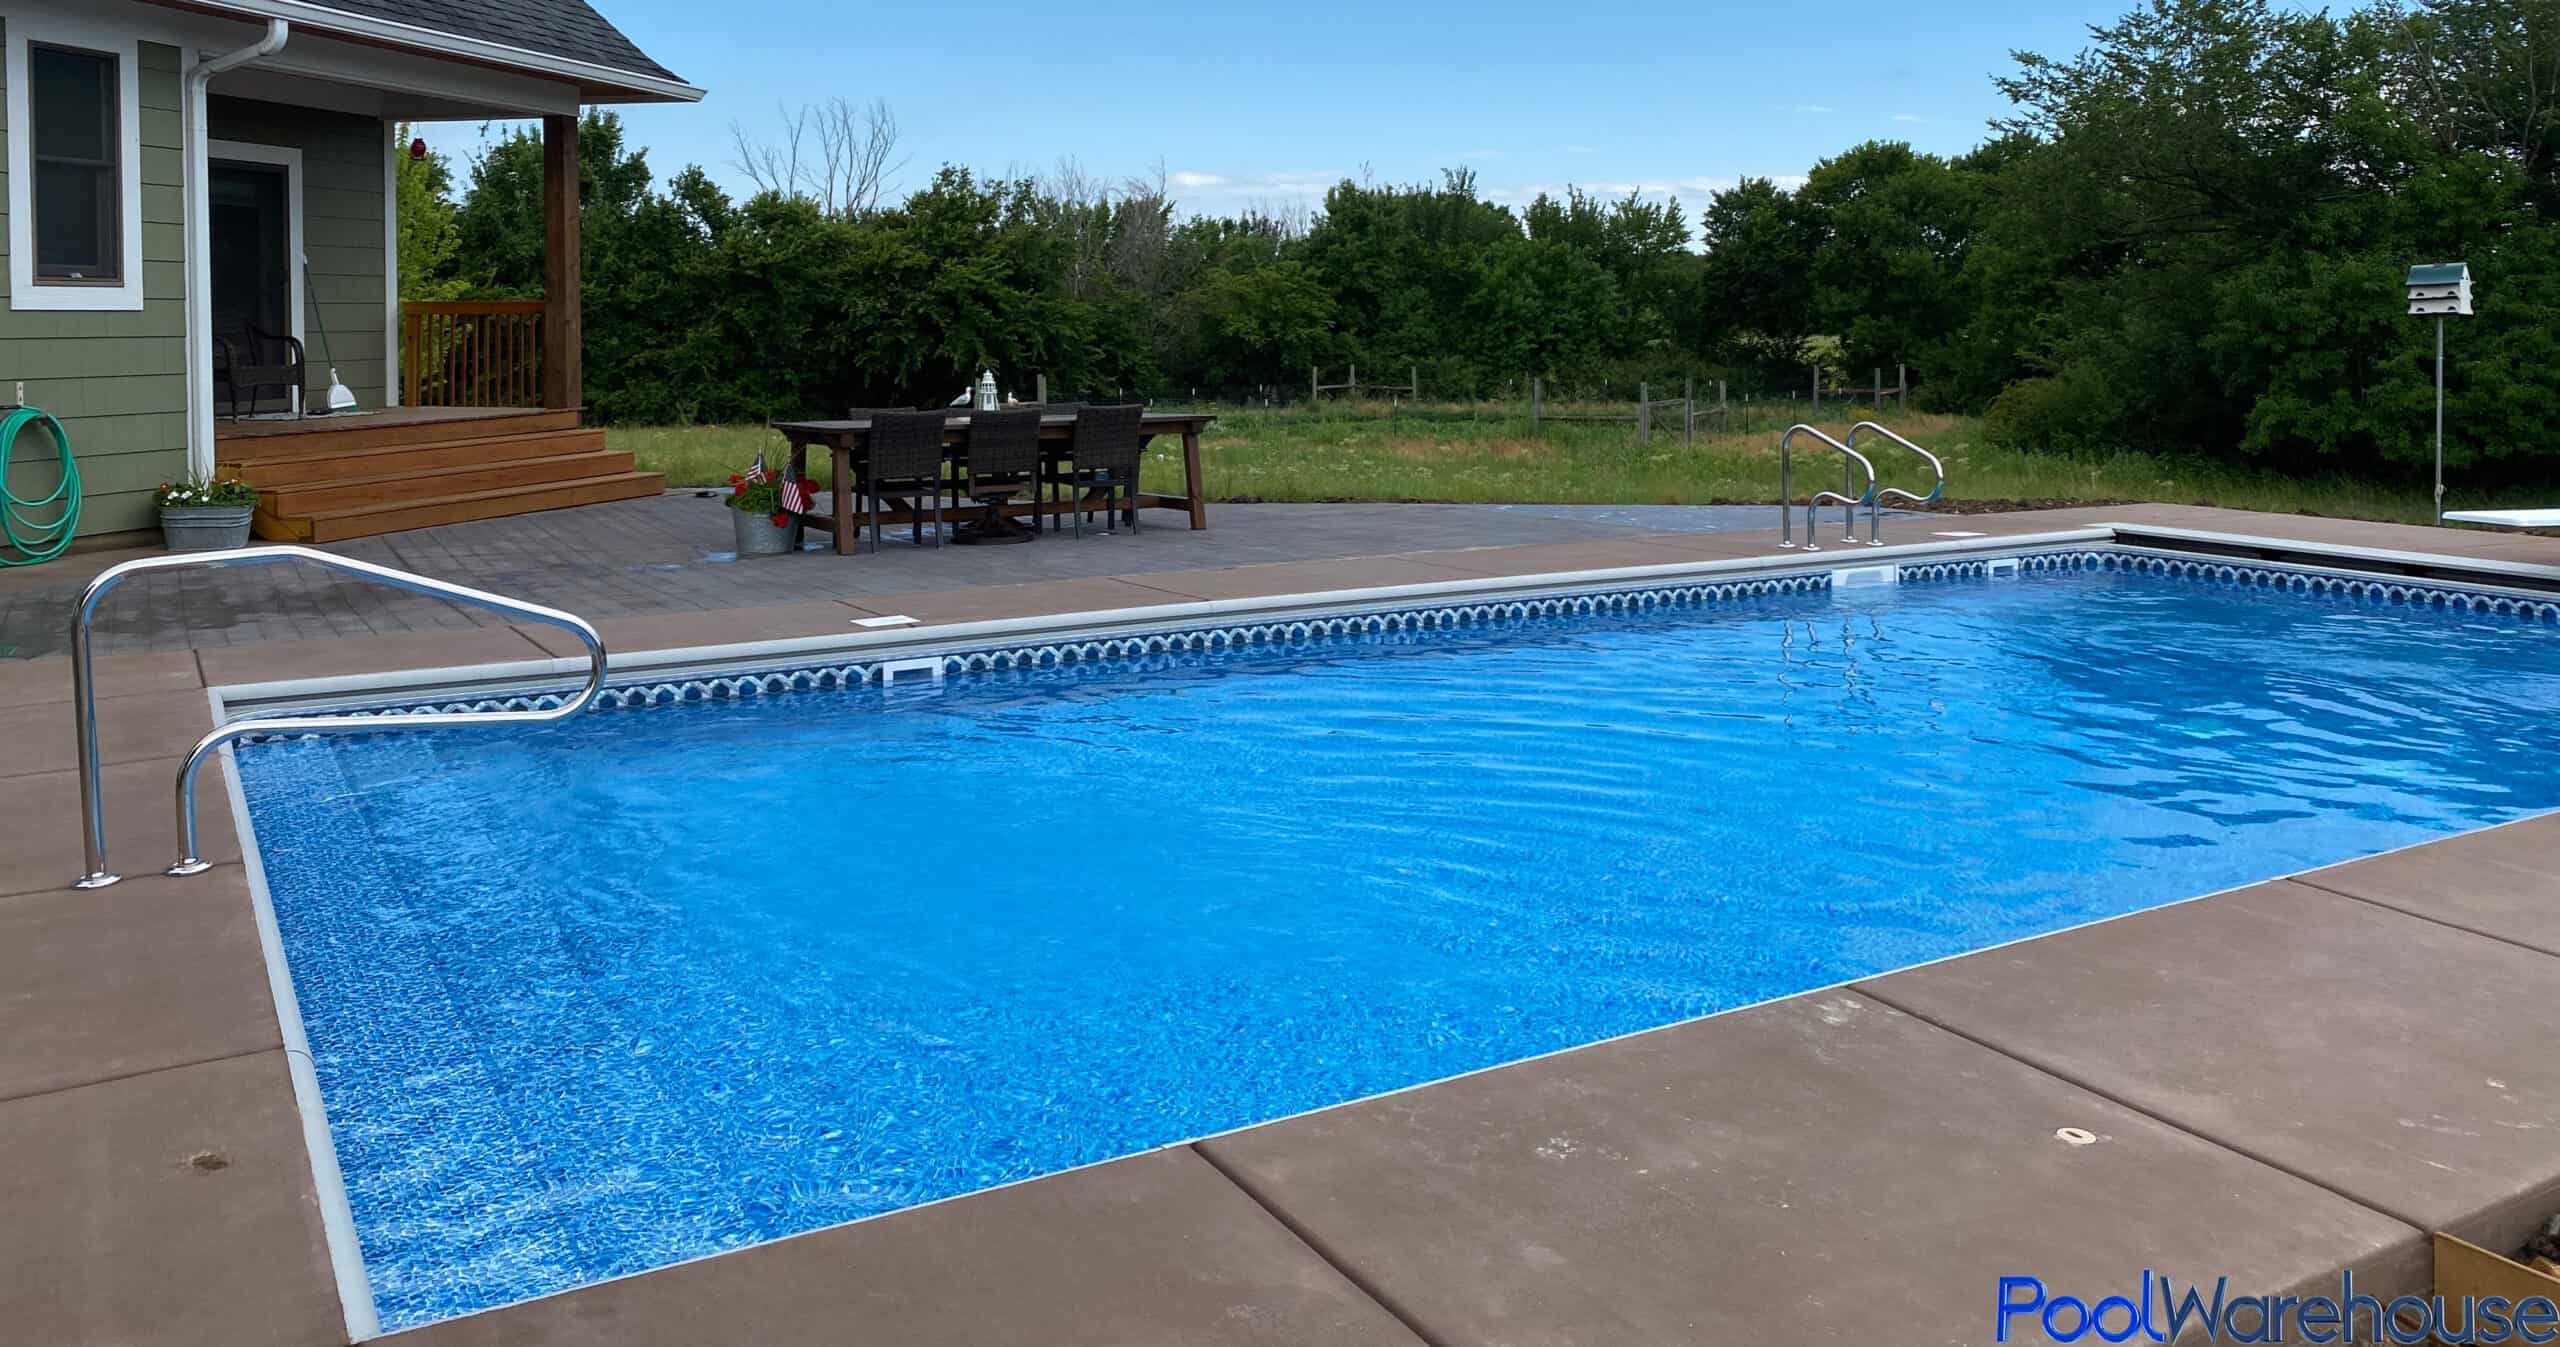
column 1693, row 406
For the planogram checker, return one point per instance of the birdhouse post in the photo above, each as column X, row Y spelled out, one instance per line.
column 2440, row 290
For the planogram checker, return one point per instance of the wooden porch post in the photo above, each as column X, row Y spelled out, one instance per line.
column 563, row 333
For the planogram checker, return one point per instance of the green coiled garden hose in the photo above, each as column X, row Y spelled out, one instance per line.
column 36, row 540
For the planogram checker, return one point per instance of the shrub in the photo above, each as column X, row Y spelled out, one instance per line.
column 2064, row 413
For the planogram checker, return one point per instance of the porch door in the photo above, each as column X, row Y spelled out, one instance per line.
column 252, row 265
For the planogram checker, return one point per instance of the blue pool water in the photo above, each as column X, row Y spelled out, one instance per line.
column 657, row 983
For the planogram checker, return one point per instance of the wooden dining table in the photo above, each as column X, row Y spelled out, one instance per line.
column 845, row 442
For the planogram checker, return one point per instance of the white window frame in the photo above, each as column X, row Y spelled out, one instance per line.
column 296, row 262
column 24, row 32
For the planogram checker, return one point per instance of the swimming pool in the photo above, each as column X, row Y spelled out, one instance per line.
column 655, row 983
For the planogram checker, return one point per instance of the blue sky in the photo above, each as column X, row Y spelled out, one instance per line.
column 1257, row 102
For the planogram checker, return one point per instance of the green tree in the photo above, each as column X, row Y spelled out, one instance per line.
column 428, row 242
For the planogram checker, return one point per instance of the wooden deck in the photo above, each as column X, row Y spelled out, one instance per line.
column 330, row 478
column 357, row 423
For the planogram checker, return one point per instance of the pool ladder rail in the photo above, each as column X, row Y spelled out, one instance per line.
column 1873, row 497
column 1851, row 461
column 1875, row 507
column 93, row 832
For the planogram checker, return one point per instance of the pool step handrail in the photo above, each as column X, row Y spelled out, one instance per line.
column 1851, row 461
column 93, row 829
column 1875, row 507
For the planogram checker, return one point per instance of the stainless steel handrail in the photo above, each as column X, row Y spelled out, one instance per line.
column 93, row 828
column 1852, row 460
column 1875, row 509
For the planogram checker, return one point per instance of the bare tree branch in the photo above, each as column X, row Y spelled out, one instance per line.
column 839, row 154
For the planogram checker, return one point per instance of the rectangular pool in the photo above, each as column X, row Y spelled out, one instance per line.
column 655, row 983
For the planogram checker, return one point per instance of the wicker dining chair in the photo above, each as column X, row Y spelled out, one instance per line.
column 1053, row 459
column 904, row 454
column 1003, row 458
column 800, row 452
column 1103, row 452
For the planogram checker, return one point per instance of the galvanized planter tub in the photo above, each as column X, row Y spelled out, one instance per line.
column 204, row 528
column 759, row 537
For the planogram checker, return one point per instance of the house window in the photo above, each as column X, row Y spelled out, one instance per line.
column 74, row 135
column 73, row 105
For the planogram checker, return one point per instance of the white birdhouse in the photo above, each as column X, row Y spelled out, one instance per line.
column 2437, row 289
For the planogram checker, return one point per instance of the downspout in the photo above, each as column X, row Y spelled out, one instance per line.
column 198, row 263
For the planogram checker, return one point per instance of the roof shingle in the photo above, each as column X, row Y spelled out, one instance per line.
column 564, row 28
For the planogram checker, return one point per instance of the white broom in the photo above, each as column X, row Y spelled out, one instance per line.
column 341, row 398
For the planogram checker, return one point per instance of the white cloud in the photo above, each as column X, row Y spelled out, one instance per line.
column 1201, row 190
column 1693, row 188
column 1480, row 154
column 1204, row 192
column 1812, row 107
column 1907, row 117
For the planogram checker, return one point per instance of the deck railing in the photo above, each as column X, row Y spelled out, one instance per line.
column 472, row 352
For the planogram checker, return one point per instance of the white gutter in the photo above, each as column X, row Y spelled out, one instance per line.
column 195, row 175
column 319, row 18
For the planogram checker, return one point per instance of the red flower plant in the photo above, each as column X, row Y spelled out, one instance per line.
column 762, row 497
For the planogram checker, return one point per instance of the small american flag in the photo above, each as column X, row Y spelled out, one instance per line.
column 755, row 471
column 795, row 491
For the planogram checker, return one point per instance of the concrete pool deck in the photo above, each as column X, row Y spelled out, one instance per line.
column 2282, row 1081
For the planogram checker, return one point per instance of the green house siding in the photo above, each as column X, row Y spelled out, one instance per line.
column 116, row 380
column 342, row 168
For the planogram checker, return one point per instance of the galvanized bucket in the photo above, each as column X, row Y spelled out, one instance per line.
column 204, row 528
column 758, row 537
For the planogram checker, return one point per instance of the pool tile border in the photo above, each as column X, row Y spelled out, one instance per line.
column 1309, row 632
column 1439, row 619
column 2246, row 575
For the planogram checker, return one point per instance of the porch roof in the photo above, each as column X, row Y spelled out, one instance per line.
column 557, row 39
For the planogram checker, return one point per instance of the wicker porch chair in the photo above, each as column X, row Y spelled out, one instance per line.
column 905, row 454
column 1003, row 458
column 1103, row 453
column 251, row 359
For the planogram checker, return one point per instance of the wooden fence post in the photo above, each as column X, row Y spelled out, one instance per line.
column 1724, row 413
column 1644, row 414
column 1817, row 390
column 1413, row 383
column 1352, row 390
column 1315, row 385
column 1689, row 412
column 1537, row 399
column 1901, row 387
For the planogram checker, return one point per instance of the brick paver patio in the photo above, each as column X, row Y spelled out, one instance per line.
column 671, row 554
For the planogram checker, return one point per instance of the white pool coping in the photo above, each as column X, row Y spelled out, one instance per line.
column 328, row 1182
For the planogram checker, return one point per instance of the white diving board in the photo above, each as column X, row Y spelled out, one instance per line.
column 2507, row 519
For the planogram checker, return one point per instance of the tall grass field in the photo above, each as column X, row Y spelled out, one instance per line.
column 1492, row 453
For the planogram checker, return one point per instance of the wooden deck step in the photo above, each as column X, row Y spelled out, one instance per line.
column 336, row 464
column 360, row 521
column 338, row 493
column 300, row 439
